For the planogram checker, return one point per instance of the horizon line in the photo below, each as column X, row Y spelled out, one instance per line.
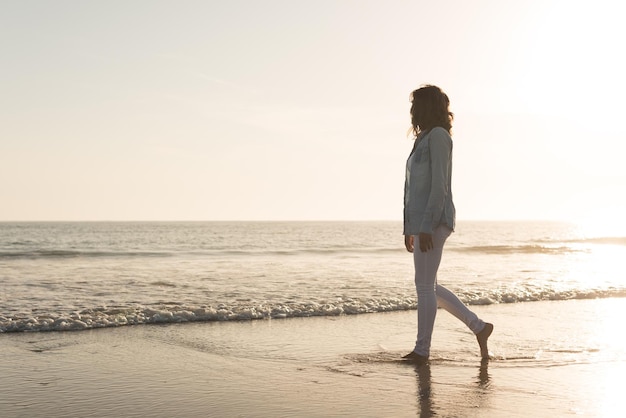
column 268, row 220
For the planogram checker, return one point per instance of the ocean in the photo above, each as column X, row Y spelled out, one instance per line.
column 57, row 276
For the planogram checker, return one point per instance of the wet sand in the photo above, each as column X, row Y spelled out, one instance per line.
column 562, row 358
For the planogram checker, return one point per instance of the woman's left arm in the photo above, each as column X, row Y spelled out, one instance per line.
column 440, row 155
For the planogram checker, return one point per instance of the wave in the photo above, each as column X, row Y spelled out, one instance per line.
column 543, row 246
column 303, row 251
column 54, row 253
column 171, row 313
column 602, row 240
column 34, row 254
column 537, row 247
column 519, row 249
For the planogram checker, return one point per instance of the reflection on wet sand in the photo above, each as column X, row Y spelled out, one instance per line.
column 473, row 398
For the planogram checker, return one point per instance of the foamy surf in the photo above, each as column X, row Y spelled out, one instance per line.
column 103, row 317
column 81, row 276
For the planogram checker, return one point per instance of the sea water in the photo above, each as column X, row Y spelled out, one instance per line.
column 58, row 276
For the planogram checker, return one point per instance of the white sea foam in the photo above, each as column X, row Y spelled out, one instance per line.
column 114, row 317
column 73, row 276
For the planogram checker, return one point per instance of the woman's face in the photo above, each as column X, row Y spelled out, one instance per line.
column 415, row 114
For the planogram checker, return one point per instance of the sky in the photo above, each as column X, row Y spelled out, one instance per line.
column 294, row 110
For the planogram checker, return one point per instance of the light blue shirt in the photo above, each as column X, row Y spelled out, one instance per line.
column 428, row 184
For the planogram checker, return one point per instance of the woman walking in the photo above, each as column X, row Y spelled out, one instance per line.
column 429, row 218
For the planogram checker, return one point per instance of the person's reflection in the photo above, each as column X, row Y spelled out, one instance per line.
column 425, row 395
column 424, row 390
column 483, row 374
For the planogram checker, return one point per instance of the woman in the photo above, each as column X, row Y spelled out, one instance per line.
column 429, row 217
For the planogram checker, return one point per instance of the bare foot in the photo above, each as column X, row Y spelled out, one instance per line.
column 482, row 338
column 415, row 358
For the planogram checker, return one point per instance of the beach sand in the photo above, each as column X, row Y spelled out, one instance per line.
column 561, row 358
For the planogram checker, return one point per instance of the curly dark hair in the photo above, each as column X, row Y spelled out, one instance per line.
column 429, row 109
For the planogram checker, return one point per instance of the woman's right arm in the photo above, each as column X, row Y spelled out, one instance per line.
column 409, row 243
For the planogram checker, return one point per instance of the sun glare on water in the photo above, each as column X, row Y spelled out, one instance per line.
column 601, row 238
column 603, row 224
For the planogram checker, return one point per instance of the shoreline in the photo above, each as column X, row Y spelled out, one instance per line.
column 558, row 358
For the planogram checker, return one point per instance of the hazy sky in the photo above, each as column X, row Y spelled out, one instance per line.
column 267, row 110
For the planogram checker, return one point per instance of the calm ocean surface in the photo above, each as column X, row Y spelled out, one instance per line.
column 70, row 276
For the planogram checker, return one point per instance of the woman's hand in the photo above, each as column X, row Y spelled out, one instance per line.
column 426, row 242
column 408, row 243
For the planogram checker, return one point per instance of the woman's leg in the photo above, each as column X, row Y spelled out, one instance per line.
column 426, row 266
column 448, row 301
column 451, row 303
column 430, row 295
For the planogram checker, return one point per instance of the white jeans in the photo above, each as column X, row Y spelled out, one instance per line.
column 430, row 295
